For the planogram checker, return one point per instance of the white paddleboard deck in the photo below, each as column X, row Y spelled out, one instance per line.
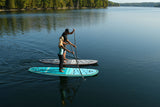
column 69, row 61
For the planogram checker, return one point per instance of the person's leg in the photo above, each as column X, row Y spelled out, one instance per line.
column 64, row 56
column 61, row 59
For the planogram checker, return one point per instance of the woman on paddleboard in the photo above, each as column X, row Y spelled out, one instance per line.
column 64, row 35
column 62, row 48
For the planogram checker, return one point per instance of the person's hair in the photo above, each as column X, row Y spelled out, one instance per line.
column 66, row 30
column 61, row 37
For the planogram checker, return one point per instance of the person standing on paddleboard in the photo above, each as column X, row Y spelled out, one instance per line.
column 65, row 33
column 62, row 48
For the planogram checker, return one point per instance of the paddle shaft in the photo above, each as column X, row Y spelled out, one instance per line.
column 76, row 55
column 77, row 63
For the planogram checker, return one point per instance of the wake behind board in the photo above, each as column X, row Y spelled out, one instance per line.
column 69, row 72
column 69, row 61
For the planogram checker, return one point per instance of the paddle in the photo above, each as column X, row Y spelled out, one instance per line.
column 75, row 56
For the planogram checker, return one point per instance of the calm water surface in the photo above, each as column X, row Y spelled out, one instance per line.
column 125, row 41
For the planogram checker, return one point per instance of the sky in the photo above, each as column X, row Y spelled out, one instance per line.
column 134, row 1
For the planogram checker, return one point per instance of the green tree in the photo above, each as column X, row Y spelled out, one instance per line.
column 2, row 4
column 10, row 4
column 70, row 3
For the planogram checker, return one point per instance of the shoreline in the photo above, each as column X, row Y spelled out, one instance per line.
column 10, row 10
column 64, row 8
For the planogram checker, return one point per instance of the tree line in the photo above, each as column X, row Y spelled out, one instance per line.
column 110, row 3
column 55, row 4
column 144, row 4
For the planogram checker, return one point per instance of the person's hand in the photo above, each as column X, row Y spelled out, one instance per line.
column 75, row 46
column 73, row 53
column 73, row 30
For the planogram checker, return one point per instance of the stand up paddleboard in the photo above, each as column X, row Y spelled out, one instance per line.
column 69, row 72
column 69, row 61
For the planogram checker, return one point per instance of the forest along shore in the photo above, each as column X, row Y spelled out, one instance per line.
column 54, row 4
column 64, row 8
column 14, row 5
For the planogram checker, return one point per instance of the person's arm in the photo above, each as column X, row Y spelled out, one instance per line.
column 72, row 31
column 65, row 43
column 67, row 50
column 71, row 43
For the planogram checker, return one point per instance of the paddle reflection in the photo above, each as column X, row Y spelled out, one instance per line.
column 68, row 89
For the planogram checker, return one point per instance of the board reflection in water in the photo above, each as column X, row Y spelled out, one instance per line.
column 68, row 89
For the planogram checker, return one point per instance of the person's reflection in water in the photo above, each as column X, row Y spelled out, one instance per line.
column 68, row 89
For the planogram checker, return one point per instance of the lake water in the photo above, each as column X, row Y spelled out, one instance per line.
column 125, row 41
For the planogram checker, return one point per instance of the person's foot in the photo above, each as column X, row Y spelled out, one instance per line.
column 61, row 71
